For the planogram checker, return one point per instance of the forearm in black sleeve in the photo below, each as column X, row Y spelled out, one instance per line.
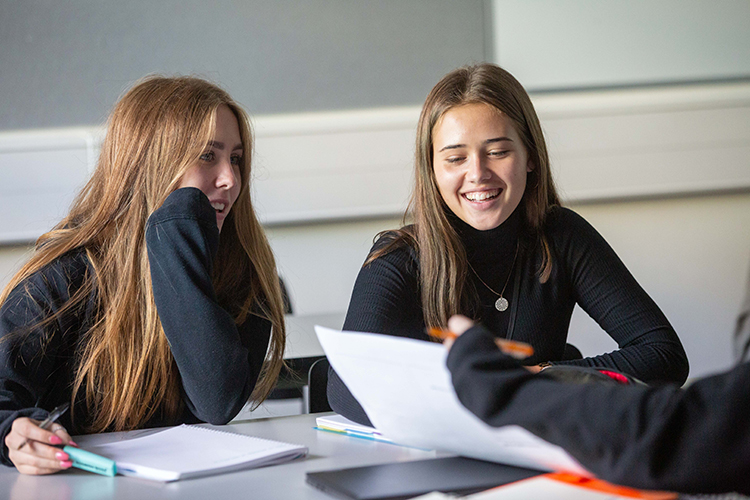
column 649, row 347
column 24, row 367
column 694, row 440
column 182, row 239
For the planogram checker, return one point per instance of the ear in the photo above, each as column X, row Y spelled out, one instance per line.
column 529, row 166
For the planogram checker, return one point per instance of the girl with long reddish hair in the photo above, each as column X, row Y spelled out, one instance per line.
column 156, row 301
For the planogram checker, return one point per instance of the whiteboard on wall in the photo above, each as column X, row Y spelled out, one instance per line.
column 605, row 145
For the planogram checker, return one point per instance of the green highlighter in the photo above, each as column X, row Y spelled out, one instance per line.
column 91, row 462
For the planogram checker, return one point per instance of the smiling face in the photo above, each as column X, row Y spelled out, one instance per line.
column 217, row 171
column 480, row 164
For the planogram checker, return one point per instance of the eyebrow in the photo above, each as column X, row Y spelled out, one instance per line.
column 488, row 141
column 222, row 146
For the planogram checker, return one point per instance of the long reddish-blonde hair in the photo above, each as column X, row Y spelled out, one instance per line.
column 442, row 257
column 155, row 133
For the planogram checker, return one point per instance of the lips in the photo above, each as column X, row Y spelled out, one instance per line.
column 482, row 196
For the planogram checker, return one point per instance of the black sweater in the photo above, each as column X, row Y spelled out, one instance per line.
column 586, row 271
column 219, row 361
column 695, row 440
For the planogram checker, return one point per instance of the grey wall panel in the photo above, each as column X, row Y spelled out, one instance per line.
column 65, row 63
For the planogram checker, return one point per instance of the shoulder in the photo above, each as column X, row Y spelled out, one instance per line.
column 395, row 246
column 563, row 225
column 561, row 218
column 47, row 290
column 62, row 276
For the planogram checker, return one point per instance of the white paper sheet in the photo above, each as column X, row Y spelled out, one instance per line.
column 405, row 388
column 192, row 451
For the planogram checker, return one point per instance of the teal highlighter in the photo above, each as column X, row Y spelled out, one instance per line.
column 91, row 462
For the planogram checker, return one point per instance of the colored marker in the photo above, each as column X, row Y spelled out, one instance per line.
column 91, row 462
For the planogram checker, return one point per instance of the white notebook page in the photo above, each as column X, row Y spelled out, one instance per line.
column 190, row 451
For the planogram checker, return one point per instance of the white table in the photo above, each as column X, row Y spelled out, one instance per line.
column 285, row 482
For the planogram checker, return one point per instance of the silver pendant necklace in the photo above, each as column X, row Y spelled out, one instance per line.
column 501, row 304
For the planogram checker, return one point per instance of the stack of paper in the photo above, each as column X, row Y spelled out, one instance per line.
column 193, row 451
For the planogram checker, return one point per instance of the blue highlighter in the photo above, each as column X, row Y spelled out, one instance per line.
column 91, row 462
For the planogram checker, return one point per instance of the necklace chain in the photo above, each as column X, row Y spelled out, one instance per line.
column 501, row 304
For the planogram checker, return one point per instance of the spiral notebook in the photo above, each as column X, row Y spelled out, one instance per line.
column 190, row 451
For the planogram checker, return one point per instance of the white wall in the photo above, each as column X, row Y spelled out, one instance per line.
column 320, row 262
column 554, row 44
column 11, row 260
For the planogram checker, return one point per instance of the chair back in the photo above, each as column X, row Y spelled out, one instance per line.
column 317, row 386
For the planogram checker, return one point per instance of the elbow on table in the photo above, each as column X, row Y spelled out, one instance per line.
column 219, row 407
column 668, row 364
column 679, row 368
column 682, row 371
column 219, row 414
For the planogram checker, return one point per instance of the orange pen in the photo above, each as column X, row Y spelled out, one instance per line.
column 513, row 348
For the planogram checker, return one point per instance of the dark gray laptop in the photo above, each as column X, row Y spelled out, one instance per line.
column 409, row 479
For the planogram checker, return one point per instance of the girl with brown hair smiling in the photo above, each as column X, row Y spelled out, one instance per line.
column 156, row 300
column 490, row 241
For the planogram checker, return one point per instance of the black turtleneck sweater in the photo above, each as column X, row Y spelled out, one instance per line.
column 585, row 271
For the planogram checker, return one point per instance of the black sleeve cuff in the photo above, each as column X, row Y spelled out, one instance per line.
column 186, row 203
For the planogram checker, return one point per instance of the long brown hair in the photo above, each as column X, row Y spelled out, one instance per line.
column 442, row 257
column 155, row 133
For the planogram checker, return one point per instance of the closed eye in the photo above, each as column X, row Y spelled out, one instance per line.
column 455, row 159
column 499, row 154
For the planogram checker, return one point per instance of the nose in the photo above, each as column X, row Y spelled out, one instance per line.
column 227, row 176
column 477, row 170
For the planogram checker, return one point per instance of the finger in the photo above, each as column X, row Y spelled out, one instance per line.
column 458, row 324
column 15, row 439
column 43, row 460
column 38, row 471
column 33, row 471
column 448, row 343
column 60, row 431
column 27, row 429
column 41, row 450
